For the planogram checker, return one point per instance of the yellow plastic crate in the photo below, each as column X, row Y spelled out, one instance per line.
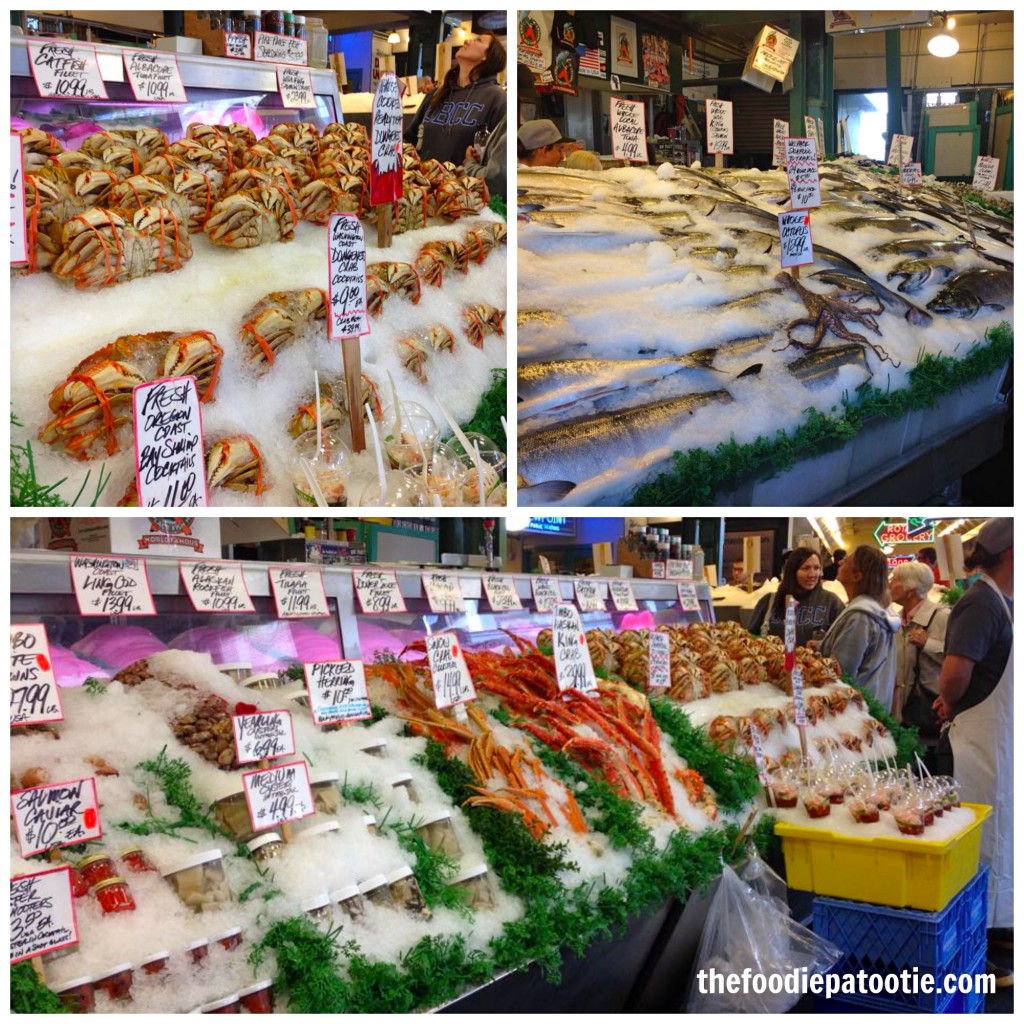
column 895, row 872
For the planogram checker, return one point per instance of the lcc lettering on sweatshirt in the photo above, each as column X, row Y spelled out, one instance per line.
column 456, row 113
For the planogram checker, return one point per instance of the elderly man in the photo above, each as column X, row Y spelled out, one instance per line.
column 919, row 648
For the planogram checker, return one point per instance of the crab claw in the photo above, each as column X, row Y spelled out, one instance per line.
column 198, row 355
column 236, row 463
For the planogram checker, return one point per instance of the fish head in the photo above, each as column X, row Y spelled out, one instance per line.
column 954, row 302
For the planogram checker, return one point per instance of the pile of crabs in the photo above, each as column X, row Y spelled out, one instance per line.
column 123, row 206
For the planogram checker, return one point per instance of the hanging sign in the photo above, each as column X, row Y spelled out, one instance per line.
column 61, row 814
column 277, row 49
column 66, row 70
column 448, row 672
column 588, row 596
column 718, row 116
column 386, row 142
column 279, row 794
column 378, row 591
column 912, row 530
column 546, row 593
column 299, row 593
column 444, row 594
column 780, row 131
column 295, row 87
column 573, row 666
column 111, row 586
column 346, row 271
column 19, row 246
column 900, row 150
column 986, row 170
column 35, row 697
column 154, row 76
column 775, row 53
column 688, row 597
column 910, row 174
column 169, row 464
column 42, row 913
column 622, row 595
column 811, row 130
column 659, row 661
column 501, row 594
column 238, row 45
column 216, row 586
column 796, row 248
column 263, row 736
column 799, row 707
column 337, row 691
column 802, row 172
column 628, row 122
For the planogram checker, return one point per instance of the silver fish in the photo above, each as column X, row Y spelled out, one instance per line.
column 919, row 247
column 824, row 363
column 582, row 448
column 732, row 349
column 916, row 273
column 973, row 290
column 897, row 225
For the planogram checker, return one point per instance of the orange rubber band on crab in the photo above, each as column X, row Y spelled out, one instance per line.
column 105, row 410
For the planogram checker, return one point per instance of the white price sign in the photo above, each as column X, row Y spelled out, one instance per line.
column 337, row 691
column 799, row 707
column 588, row 596
column 679, row 569
column 796, row 247
column 657, row 570
column 910, row 174
column 346, row 271
column 299, row 593
column 628, row 124
column 780, row 131
column 111, row 586
column 789, row 629
column 444, row 594
column 154, row 76
column 263, row 736
column 802, row 172
column 659, row 661
column 19, row 244
column 295, row 87
column 501, row 594
column 277, row 49
column 378, row 591
column 900, row 150
column 35, row 698
column 719, row 126
column 216, row 586
column 448, row 672
column 622, row 595
column 986, row 171
column 42, row 913
column 279, row 794
column 60, row 814
column 238, row 45
column 758, row 752
column 688, row 597
column 66, row 70
column 573, row 666
column 546, row 593
column 811, row 130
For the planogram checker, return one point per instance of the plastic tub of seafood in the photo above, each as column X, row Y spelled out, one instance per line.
column 326, row 792
column 262, row 681
column 116, row 982
column 405, row 892
column 265, row 847
column 229, row 1004
column 296, row 699
column 438, row 833
column 349, row 901
column 403, row 784
column 238, row 671
column 198, row 951
column 232, row 812
column 77, row 994
column 155, row 962
column 375, row 748
column 371, row 824
column 231, row 939
column 318, row 909
column 377, row 891
column 475, row 884
column 894, row 871
column 321, row 830
column 199, row 880
column 258, row 998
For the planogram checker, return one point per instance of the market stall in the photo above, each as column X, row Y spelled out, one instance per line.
column 380, row 788
column 729, row 301
column 184, row 232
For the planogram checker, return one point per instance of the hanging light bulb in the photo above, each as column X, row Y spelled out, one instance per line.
column 951, row 22
column 394, row 37
column 943, row 45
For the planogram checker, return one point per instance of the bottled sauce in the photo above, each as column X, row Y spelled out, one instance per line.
column 273, row 21
column 253, row 22
column 299, row 26
column 217, row 20
column 289, row 23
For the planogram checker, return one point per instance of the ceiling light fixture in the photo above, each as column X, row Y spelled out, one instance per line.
column 394, row 38
column 943, row 45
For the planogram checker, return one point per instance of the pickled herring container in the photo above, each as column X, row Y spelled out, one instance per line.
column 438, row 833
column 326, row 792
column 475, row 885
column 199, row 880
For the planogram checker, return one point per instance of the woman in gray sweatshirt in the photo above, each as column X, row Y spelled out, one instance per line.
column 467, row 100
column 863, row 638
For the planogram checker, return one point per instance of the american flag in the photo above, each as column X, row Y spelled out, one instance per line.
column 593, row 63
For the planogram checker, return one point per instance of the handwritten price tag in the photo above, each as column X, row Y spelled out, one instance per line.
column 657, row 570
column 263, row 736
column 811, row 130
column 758, row 752
column 900, row 150
column 799, row 707
column 688, row 597
column 216, row 586
column 501, row 594
column 780, row 130
column 42, row 913
column 986, row 171
column 718, row 116
column 238, row 45
column 279, row 794
column 659, row 661
column 796, row 244
column 789, row 628
column 19, row 246
column 105, row 585
column 679, row 569
column 573, row 666
column 588, row 596
column 154, row 76
column 628, row 124
column 61, row 814
column 66, row 70
column 386, row 142
column 337, row 691
column 378, row 591
column 346, row 271
column 277, row 49
column 35, row 697
column 169, row 466
column 910, row 174
column 546, row 593
column 622, row 595
column 299, row 593
column 295, row 87
column 444, row 594
column 802, row 171
column 452, row 681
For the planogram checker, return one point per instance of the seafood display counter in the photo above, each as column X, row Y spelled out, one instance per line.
column 166, row 240
column 410, row 858
column 665, row 360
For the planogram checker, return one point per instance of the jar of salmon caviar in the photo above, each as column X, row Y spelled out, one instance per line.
column 114, row 896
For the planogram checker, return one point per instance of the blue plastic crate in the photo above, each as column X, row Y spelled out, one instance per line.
column 973, row 904
column 973, row 1002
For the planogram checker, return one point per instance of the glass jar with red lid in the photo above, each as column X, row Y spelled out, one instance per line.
column 135, row 860
column 79, row 886
column 96, row 868
column 114, row 895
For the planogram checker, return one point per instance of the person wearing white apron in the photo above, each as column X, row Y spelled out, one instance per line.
column 981, row 734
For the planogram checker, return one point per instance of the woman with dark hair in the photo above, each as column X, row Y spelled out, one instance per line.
column 816, row 608
column 863, row 638
column 467, row 100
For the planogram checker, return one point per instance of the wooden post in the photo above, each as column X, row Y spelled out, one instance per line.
column 352, row 359
column 385, row 213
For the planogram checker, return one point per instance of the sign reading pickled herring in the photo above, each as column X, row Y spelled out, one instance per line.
column 216, row 586
column 263, row 736
column 42, row 913
column 573, row 666
column 448, row 672
column 346, row 271
column 299, row 593
column 719, row 126
column 61, row 814
column 444, row 594
column 386, row 142
column 295, row 87
column 795, row 238
column 67, row 70
column 170, row 470
column 35, row 697
column 337, row 691
column 802, row 171
column 105, row 585
column 154, row 76
column 628, row 123
column 279, row 794
column 378, row 591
